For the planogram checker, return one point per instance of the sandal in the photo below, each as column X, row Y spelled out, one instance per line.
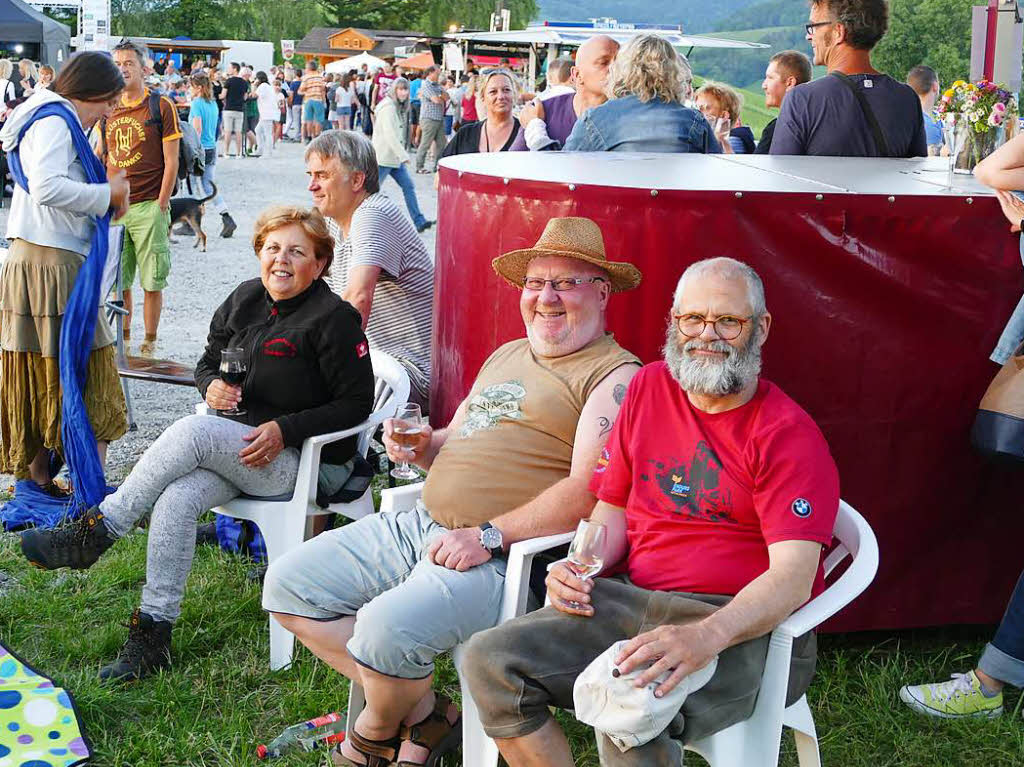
column 378, row 753
column 434, row 733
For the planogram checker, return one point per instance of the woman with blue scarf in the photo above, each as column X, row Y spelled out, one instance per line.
column 52, row 230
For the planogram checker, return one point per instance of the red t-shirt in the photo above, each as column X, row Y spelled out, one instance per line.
column 705, row 494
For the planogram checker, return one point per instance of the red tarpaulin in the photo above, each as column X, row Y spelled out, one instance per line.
column 885, row 312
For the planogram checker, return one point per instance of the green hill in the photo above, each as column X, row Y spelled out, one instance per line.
column 755, row 115
column 694, row 15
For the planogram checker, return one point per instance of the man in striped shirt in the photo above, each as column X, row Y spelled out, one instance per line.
column 313, row 92
column 381, row 265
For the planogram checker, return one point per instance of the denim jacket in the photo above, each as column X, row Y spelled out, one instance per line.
column 629, row 125
column 1013, row 333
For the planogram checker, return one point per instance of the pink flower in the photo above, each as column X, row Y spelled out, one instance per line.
column 999, row 108
column 995, row 120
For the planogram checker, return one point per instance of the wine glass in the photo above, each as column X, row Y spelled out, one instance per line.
column 955, row 134
column 586, row 552
column 408, row 426
column 232, row 372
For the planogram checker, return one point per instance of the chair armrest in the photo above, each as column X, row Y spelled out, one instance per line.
column 834, row 598
column 400, row 498
column 375, row 419
column 537, row 545
column 517, row 572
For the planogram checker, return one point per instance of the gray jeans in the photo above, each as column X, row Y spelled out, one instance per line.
column 431, row 132
column 193, row 466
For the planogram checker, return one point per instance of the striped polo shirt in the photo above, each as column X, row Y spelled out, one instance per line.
column 401, row 315
column 313, row 86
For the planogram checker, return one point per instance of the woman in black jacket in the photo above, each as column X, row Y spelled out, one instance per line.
column 308, row 373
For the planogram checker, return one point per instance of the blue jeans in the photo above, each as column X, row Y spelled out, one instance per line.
column 404, row 180
column 1013, row 333
column 1003, row 658
column 210, row 156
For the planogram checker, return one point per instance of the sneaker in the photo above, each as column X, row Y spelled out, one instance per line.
column 147, row 349
column 960, row 697
column 147, row 650
column 229, row 225
column 424, row 226
column 76, row 545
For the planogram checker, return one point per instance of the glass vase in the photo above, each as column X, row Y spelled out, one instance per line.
column 975, row 147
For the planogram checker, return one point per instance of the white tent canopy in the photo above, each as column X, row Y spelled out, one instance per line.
column 355, row 62
column 578, row 35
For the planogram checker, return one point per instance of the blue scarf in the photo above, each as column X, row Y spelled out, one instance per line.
column 32, row 506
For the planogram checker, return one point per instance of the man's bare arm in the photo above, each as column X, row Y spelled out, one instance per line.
column 561, row 506
column 362, row 281
column 758, row 608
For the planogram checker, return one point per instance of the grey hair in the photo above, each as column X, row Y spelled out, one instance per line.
column 650, row 68
column 730, row 266
column 138, row 50
column 353, row 150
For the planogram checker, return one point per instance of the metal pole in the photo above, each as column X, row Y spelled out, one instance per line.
column 990, row 39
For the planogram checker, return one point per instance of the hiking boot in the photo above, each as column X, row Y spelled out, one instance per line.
column 229, row 225
column 959, row 698
column 424, row 226
column 147, row 650
column 76, row 544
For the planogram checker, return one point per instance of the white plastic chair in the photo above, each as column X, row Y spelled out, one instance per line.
column 477, row 748
column 282, row 520
column 754, row 742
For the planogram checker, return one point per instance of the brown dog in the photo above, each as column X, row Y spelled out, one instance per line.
column 190, row 210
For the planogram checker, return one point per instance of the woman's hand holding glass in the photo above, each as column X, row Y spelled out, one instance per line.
column 222, row 396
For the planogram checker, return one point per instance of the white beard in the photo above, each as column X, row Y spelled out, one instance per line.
column 712, row 378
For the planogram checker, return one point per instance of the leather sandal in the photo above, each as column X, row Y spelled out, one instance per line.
column 434, row 733
column 378, row 753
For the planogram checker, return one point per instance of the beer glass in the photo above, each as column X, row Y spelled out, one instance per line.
column 408, row 426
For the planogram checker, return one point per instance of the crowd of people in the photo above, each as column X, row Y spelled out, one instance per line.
column 700, row 562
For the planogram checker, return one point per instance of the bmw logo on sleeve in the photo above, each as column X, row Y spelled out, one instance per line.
column 801, row 507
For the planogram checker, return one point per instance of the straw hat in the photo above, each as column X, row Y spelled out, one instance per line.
column 578, row 238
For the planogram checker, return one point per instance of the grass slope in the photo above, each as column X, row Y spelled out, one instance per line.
column 219, row 700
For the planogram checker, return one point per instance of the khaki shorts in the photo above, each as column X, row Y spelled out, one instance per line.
column 146, row 247
column 519, row 669
column 232, row 122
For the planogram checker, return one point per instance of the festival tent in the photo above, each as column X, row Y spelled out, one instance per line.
column 355, row 62
column 20, row 23
column 419, row 61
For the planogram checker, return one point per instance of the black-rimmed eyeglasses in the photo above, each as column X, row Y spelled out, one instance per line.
column 560, row 284
column 812, row 25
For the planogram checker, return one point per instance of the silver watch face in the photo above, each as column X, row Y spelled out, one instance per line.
column 490, row 538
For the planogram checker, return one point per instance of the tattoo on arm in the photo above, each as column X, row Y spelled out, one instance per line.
column 605, row 424
column 619, row 393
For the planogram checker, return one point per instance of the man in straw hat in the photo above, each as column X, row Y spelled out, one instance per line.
column 513, row 463
column 717, row 493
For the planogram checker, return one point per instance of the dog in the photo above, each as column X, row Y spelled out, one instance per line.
column 190, row 210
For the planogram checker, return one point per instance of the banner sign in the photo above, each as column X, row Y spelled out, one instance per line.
column 288, row 49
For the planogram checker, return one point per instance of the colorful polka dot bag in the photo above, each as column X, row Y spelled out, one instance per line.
column 38, row 723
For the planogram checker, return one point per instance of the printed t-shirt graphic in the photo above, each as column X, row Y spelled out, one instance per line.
column 705, row 494
column 135, row 146
column 504, row 400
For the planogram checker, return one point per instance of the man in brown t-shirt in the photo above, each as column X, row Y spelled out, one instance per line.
column 513, row 463
column 147, row 149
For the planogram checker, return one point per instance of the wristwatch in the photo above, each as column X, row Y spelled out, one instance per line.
column 490, row 539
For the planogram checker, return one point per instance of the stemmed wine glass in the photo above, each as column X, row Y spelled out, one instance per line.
column 955, row 138
column 408, row 427
column 232, row 372
column 586, row 552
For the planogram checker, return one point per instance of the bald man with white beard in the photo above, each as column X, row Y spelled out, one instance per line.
column 547, row 124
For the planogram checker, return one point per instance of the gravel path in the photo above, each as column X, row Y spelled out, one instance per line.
column 199, row 282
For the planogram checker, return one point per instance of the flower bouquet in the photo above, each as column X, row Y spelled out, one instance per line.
column 977, row 119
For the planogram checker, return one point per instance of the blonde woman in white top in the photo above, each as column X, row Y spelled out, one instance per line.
column 389, row 131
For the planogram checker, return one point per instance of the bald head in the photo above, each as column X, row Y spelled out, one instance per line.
column 592, row 61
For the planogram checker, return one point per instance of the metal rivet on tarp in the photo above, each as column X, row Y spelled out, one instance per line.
column 970, row 200
column 654, row 193
column 505, row 181
column 892, row 199
column 572, row 187
column 819, row 197
column 739, row 195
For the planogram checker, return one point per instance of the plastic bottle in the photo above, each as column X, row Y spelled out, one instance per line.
column 323, row 731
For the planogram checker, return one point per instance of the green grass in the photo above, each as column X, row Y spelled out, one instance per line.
column 219, row 700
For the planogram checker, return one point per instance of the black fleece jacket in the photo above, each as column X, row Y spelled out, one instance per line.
column 308, row 363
